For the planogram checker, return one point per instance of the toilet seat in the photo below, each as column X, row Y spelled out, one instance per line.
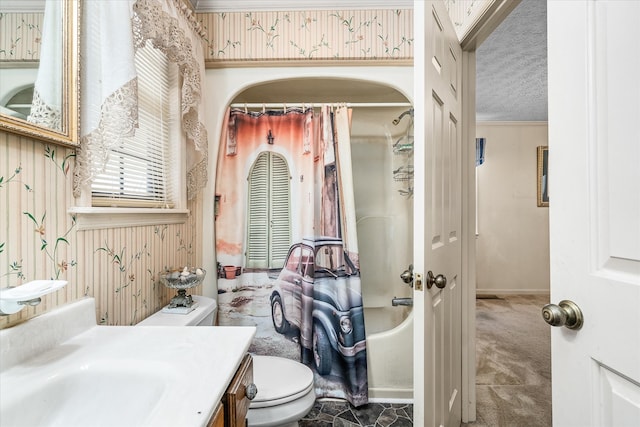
column 279, row 381
column 285, row 415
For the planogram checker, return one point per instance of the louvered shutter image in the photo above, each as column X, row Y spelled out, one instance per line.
column 269, row 223
column 280, row 238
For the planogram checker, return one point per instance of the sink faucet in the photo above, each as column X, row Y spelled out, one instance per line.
column 401, row 301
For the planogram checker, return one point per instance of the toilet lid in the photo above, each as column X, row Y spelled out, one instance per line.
column 279, row 380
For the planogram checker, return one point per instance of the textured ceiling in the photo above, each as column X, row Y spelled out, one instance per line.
column 511, row 67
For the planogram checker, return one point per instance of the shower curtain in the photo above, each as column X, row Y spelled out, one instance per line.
column 286, row 242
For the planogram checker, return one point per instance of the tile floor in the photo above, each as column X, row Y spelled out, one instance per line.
column 335, row 413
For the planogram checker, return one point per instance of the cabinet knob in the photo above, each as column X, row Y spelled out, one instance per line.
column 251, row 391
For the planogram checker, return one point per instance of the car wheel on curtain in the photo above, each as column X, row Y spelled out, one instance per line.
column 277, row 315
column 322, row 351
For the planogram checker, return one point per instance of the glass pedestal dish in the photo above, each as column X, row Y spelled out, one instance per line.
column 182, row 303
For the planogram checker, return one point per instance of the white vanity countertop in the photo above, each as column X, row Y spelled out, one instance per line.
column 124, row 375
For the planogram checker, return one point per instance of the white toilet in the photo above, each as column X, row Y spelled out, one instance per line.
column 285, row 387
column 285, row 392
column 203, row 315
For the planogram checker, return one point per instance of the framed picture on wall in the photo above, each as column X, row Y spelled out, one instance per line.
column 543, row 176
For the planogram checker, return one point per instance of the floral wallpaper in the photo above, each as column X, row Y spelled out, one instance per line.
column 20, row 36
column 39, row 240
column 464, row 13
column 385, row 34
column 308, row 35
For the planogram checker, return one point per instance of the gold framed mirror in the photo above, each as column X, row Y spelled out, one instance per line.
column 543, row 176
column 39, row 69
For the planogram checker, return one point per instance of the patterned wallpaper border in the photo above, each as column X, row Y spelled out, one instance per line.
column 326, row 35
column 231, row 37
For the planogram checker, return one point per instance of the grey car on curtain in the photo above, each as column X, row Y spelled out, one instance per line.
column 318, row 292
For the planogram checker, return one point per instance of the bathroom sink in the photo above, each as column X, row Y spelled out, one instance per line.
column 61, row 369
column 74, row 396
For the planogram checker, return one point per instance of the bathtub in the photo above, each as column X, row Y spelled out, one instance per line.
column 389, row 353
column 385, row 242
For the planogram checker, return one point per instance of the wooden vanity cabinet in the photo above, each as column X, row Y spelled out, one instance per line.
column 235, row 400
column 217, row 420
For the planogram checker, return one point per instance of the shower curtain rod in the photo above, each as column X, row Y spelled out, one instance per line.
column 319, row 104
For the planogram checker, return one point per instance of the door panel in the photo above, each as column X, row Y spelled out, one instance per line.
column 438, row 347
column 594, row 213
column 622, row 397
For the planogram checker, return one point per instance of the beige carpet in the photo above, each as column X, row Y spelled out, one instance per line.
column 513, row 382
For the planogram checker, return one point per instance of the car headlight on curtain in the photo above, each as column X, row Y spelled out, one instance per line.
column 345, row 325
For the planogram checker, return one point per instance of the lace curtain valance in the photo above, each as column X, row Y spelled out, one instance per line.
column 109, row 101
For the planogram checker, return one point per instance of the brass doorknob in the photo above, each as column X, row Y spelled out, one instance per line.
column 566, row 314
column 440, row 281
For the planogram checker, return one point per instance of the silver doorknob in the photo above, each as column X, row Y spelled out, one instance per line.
column 440, row 281
column 566, row 314
column 407, row 275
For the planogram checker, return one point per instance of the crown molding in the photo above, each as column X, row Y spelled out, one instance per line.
column 16, row 6
column 201, row 6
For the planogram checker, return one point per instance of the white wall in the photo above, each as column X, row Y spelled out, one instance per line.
column 512, row 245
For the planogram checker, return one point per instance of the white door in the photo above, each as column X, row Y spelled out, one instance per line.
column 437, row 213
column 594, row 213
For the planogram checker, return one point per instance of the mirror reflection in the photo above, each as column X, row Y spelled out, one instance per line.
column 32, row 62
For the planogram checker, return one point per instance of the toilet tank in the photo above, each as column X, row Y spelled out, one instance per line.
column 203, row 315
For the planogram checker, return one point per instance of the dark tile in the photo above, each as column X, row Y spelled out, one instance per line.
column 402, row 413
column 409, row 411
column 342, row 414
column 399, row 406
column 387, row 417
column 368, row 414
column 402, row 422
column 348, row 416
column 339, row 422
column 315, row 423
column 335, row 408
column 317, row 414
column 313, row 413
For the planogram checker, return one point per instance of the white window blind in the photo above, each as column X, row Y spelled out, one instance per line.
column 139, row 170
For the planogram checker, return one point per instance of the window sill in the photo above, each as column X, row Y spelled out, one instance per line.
column 98, row 218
